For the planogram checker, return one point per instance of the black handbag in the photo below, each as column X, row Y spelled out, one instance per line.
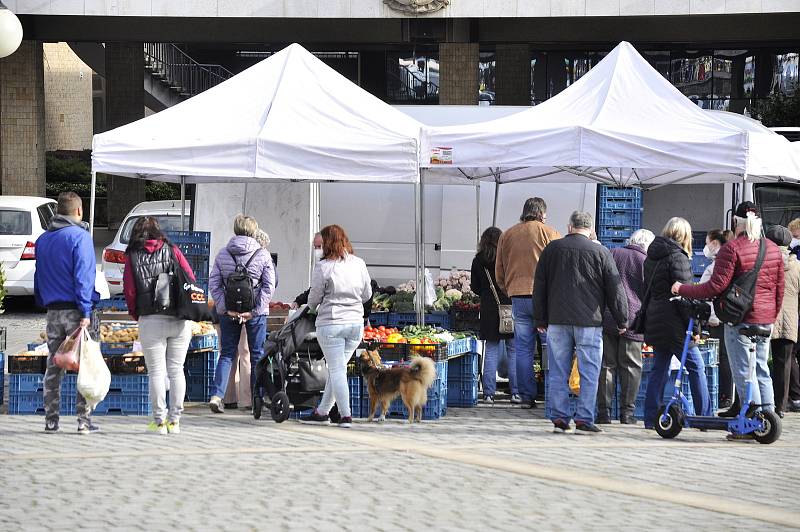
column 735, row 302
column 191, row 302
column 640, row 320
column 313, row 373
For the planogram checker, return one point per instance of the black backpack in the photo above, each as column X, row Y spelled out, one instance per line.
column 735, row 302
column 240, row 291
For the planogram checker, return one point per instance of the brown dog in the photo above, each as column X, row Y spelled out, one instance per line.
column 410, row 382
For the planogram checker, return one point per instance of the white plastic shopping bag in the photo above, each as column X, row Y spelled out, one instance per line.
column 101, row 285
column 94, row 378
column 430, row 291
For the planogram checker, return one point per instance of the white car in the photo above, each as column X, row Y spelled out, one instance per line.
column 22, row 220
column 168, row 214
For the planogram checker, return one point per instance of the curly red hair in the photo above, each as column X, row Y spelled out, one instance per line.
column 335, row 244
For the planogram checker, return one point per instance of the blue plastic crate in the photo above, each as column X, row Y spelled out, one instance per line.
column 699, row 263
column 620, row 218
column 710, row 354
column 200, row 369
column 357, row 406
column 463, row 368
column 377, row 319
column 435, row 319
column 606, row 191
column 206, row 341
column 116, row 348
column 463, row 394
column 712, row 377
column 460, row 346
column 114, row 303
column 611, row 243
column 614, row 232
column 26, row 394
column 117, row 403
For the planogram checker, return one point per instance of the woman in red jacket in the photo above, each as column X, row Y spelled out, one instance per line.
column 735, row 258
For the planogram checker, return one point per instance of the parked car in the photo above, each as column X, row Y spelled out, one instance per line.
column 22, row 220
column 168, row 214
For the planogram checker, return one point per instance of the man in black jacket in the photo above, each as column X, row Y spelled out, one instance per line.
column 575, row 280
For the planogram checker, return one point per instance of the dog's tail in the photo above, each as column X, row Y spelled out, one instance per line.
column 424, row 370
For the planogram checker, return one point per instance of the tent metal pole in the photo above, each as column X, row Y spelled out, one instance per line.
column 420, row 268
column 244, row 200
column 91, row 203
column 496, row 201
column 477, row 212
column 183, row 203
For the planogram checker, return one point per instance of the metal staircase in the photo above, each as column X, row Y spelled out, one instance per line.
column 171, row 66
column 406, row 86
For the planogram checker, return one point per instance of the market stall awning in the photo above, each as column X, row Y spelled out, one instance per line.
column 621, row 123
column 289, row 117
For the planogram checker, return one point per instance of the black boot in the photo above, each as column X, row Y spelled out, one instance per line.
column 733, row 411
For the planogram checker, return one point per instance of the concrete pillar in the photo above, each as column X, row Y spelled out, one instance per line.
column 512, row 74
column 22, row 131
column 458, row 73
column 124, row 104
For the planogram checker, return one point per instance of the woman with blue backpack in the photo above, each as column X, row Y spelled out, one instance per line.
column 241, row 284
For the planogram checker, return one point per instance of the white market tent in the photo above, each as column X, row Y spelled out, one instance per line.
column 622, row 124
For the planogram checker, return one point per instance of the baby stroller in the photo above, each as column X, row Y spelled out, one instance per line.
column 292, row 373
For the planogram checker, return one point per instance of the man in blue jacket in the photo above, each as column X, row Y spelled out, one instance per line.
column 64, row 285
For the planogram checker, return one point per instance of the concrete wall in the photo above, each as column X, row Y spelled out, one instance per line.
column 22, row 139
column 458, row 73
column 703, row 205
column 282, row 210
column 377, row 8
column 68, row 99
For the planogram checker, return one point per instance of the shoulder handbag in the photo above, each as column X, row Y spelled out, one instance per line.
column 504, row 311
column 639, row 321
column 191, row 302
column 735, row 302
column 313, row 373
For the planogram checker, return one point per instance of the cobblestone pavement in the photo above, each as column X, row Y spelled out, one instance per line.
column 485, row 468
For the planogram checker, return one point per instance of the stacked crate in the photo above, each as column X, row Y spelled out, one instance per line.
column 2, row 361
column 619, row 214
column 196, row 247
column 699, row 260
column 200, row 367
column 462, row 381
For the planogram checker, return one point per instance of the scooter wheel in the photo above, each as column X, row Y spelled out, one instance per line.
column 280, row 407
column 772, row 427
column 258, row 405
column 673, row 424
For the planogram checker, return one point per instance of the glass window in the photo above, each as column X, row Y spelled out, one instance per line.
column 14, row 222
column 692, row 74
column 785, row 73
column 660, row 61
column 167, row 223
column 486, row 78
column 45, row 214
column 412, row 77
column 780, row 204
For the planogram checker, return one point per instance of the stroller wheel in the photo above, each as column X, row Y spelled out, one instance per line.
column 258, row 406
column 280, row 407
column 672, row 425
column 334, row 414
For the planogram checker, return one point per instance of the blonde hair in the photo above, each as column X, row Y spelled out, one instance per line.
column 679, row 230
column 752, row 226
column 794, row 225
column 262, row 238
column 245, row 226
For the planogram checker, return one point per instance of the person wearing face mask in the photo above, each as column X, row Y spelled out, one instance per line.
column 715, row 239
column 316, row 256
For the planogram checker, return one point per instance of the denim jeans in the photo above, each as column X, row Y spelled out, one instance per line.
column 525, row 335
column 338, row 343
column 490, row 358
column 165, row 340
column 231, row 330
column 563, row 341
column 658, row 380
column 738, row 347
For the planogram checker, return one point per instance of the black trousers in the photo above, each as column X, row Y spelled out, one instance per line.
column 782, row 355
column 725, row 376
column 794, row 379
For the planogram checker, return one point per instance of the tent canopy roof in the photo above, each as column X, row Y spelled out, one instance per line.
column 289, row 117
column 621, row 123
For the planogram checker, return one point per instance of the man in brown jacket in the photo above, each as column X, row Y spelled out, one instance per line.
column 518, row 254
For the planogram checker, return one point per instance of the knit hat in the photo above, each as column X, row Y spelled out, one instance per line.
column 744, row 207
column 780, row 235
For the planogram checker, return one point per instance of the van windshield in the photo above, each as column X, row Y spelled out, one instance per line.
column 15, row 222
column 167, row 223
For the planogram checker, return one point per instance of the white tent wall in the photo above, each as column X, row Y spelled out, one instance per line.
column 704, row 206
column 282, row 210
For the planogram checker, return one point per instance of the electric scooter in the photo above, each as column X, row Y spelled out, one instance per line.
column 764, row 425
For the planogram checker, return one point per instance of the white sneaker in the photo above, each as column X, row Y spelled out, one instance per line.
column 216, row 404
column 174, row 428
column 516, row 399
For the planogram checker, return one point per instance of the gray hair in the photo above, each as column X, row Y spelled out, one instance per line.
column 245, row 226
column 262, row 238
column 581, row 220
column 534, row 209
column 642, row 238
